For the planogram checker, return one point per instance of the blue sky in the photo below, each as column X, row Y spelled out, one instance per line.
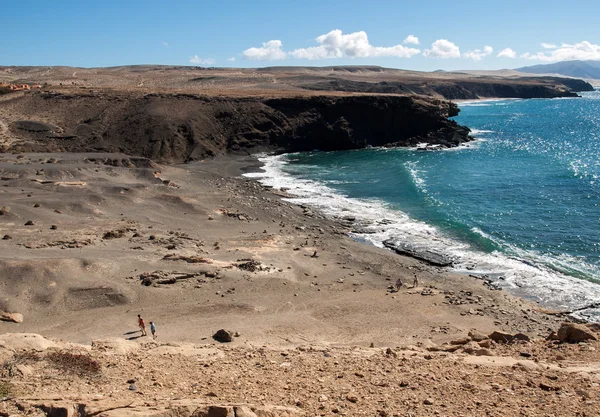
column 451, row 34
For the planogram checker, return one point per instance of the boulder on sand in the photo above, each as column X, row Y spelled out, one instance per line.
column 223, row 336
column 504, row 337
column 575, row 333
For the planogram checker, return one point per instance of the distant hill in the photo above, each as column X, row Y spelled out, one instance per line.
column 579, row 69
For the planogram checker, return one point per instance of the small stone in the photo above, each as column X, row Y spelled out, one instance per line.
column 485, row 343
column 24, row 370
column 322, row 398
column 29, row 223
column 501, row 337
column 583, row 393
column 53, row 227
column 547, row 387
column 6, row 237
column 477, row 336
column 132, row 387
column 11, row 317
column 483, row 352
column 353, row 398
column 461, row 341
column 428, row 401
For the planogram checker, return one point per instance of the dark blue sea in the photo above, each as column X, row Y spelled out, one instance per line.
column 520, row 205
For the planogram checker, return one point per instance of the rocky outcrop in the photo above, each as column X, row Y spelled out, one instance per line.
column 183, row 127
column 539, row 87
column 416, row 251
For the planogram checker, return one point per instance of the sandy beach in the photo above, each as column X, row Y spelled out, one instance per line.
column 114, row 224
column 197, row 248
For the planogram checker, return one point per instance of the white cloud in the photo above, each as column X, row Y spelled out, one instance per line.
column 232, row 59
column 442, row 48
column 270, row 51
column 354, row 45
column 548, row 45
column 411, row 39
column 567, row 52
column 196, row 60
column 507, row 53
column 332, row 45
column 163, row 43
column 479, row 54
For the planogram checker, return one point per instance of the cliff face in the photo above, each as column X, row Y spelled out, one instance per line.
column 181, row 127
column 546, row 87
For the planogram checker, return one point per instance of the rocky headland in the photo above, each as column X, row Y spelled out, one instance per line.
column 185, row 127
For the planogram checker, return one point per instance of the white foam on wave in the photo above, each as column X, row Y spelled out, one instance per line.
column 523, row 274
column 486, row 102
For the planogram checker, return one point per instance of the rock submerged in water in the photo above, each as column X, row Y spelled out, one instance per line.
column 418, row 252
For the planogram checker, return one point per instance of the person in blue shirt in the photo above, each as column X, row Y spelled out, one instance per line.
column 153, row 329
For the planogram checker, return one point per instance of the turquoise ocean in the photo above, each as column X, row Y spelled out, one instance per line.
column 519, row 206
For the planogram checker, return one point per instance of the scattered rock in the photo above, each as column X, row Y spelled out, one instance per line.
column 24, row 370
column 244, row 412
column 428, row 401
column 29, row 223
column 547, row 387
column 353, row 398
column 477, row 336
column 6, row 237
column 113, row 234
column 11, row 317
column 485, row 343
column 501, row 337
column 461, row 341
column 575, row 333
column 4, row 210
column 223, row 336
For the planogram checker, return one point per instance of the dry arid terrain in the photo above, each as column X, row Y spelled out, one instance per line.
column 294, row 81
column 318, row 323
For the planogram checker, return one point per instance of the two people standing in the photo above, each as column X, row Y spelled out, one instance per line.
column 142, row 326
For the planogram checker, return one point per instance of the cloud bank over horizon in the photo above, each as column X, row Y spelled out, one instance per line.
column 336, row 44
column 583, row 51
column 196, row 60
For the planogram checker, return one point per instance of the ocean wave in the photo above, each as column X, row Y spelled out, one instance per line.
column 525, row 273
column 486, row 102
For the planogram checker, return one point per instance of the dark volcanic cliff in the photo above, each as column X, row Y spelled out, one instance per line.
column 183, row 127
column 546, row 87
